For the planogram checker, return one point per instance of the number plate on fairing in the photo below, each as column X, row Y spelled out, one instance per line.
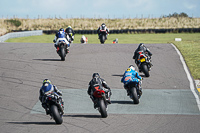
column 142, row 60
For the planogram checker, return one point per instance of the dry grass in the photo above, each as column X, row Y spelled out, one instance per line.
column 93, row 24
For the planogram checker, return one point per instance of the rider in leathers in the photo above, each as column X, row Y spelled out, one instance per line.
column 97, row 81
column 132, row 76
column 46, row 89
column 144, row 50
column 103, row 27
column 60, row 35
column 70, row 32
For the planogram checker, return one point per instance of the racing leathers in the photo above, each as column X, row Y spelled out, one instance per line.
column 46, row 90
column 131, row 76
column 97, row 81
column 141, row 49
column 61, row 36
column 70, row 33
column 103, row 27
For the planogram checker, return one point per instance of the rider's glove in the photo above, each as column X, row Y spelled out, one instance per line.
column 106, row 90
column 54, row 41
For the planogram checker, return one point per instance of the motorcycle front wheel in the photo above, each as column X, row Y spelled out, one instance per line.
column 102, row 39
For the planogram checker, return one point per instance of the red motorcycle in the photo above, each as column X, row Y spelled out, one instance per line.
column 101, row 103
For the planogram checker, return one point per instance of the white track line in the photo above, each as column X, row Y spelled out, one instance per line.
column 192, row 88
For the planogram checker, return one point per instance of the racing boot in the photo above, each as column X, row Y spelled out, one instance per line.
column 128, row 93
column 95, row 105
column 47, row 111
column 108, row 99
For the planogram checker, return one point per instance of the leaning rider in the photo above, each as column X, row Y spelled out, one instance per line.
column 143, row 49
column 132, row 76
column 46, row 89
column 101, row 83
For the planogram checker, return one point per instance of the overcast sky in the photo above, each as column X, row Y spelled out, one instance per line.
column 97, row 8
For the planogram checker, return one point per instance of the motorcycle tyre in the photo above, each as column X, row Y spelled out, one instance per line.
column 102, row 39
column 62, row 54
column 134, row 95
column 56, row 115
column 102, row 108
column 145, row 70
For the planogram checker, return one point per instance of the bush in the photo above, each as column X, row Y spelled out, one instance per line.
column 14, row 22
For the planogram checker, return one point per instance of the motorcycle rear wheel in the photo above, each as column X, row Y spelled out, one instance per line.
column 134, row 95
column 145, row 70
column 102, row 109
column 56, row 115
column 62, row 54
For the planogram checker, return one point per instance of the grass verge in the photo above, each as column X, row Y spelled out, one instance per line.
column 189, row 46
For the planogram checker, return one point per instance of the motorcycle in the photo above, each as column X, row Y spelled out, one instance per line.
column 62, row 49
column 102, row 35
column 101, row 103
column 144, row 64
column 134, row 92
column 55, row 107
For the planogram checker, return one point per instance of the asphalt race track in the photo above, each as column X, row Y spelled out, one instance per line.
column 166, row 106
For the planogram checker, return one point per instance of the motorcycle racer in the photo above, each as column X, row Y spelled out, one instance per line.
column 103, row 27
column 46, row 90
column 97, row 81
column 70, row 33
column 132, row 76
column 60, row 35
column 143, row 49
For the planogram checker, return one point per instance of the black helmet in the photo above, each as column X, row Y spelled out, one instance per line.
column 95, row 75
column 141, row 44
column 61, row 29
column 103, row 24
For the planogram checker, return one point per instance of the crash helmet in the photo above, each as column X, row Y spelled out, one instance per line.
column 95, row 75
column 132, row 67
column 69, row 26
column 141, row 44
column 61, row 29
column 47, row 87
column 46, row 81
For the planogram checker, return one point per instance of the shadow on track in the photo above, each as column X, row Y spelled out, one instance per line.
column 122, row 102
column 118, row 75
column 83, row 116
column 47, row 59
column 34, row 123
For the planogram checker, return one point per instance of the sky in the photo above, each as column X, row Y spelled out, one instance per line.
column 97, row 8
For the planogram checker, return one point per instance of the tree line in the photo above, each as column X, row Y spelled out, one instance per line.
column 176, row 15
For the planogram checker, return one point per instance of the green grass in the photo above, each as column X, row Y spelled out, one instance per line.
column 191, row 53
column 189, row 46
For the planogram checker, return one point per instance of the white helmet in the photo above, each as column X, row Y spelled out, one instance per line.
column 132, row 67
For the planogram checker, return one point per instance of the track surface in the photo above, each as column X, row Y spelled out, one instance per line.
column 24, row 66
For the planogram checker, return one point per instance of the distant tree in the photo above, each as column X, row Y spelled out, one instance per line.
column 175, row 15
column 183, row 15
